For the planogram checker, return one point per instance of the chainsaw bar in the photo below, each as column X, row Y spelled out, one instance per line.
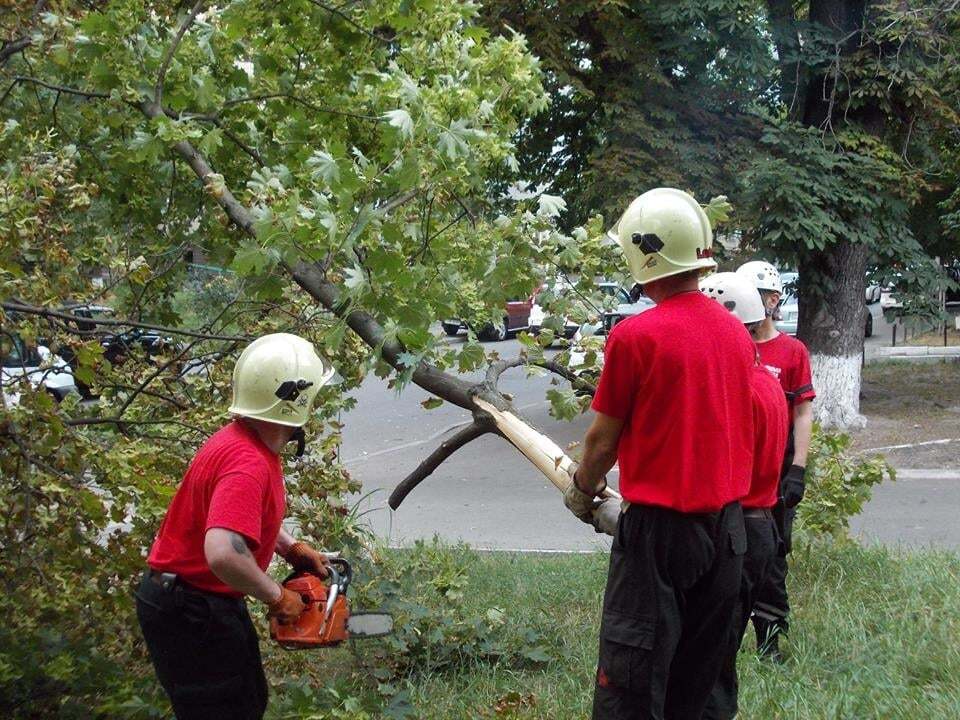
column 369, row 624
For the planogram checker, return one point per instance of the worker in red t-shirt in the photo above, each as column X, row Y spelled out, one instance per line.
column 787, row 358
column 219, row 535
column 673, row 407
column 738, row 295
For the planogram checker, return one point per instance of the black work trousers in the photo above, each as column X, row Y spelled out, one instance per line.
column 762, row 550
column 771, row 605
column 205, row 651
column 671, row 589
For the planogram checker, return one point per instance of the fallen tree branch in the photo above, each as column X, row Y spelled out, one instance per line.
column 498, row 368
column 447, row 448
column 575, row 380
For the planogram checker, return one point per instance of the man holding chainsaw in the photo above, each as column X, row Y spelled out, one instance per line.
column 787, row 358
column 673, row 407
column 219, row 535
column 738, row 295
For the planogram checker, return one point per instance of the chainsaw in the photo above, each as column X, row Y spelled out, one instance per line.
column 327, row 620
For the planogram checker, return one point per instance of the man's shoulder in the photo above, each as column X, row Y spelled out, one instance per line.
column 231, row 446
column 792, row 344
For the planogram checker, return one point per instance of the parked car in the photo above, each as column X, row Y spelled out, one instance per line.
column 953, row 272
column 36, row 364
column 516, row 317
column 889, row 299
column 627, row 305
column 560, row 286
column 633, row 303
column 118, row 343
column 789, row 313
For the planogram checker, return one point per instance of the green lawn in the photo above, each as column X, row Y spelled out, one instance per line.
column 876, row 634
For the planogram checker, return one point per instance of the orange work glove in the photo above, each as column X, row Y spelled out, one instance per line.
column 304, row 558
column 286, row 608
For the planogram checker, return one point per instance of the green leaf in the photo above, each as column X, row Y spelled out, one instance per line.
column 324, row 167
column 431, row 403
column 401, row 120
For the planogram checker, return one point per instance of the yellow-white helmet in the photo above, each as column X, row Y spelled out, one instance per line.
column 276, row 379
column 763, row 275
column 665, row 232
column 737, row 294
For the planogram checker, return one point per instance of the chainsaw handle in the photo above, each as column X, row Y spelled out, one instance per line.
column 345, row 575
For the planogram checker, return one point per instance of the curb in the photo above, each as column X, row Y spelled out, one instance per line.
column 914, row 352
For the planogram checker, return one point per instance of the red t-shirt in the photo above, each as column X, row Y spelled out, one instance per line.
column 234, row 482
column 770, row 427
column 679, row 376
column 787, row 358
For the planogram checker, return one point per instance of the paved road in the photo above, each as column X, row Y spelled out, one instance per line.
column 918, row 510
column 489, row 496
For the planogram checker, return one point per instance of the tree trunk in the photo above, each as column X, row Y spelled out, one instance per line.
column 832, row 280
column 831, row 323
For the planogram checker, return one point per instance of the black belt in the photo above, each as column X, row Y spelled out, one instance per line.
column 758, row 513
column 163, row 579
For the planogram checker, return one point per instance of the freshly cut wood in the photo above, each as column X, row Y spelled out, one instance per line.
column 543, row 452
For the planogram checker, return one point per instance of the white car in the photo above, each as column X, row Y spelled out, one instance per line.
column 889, row 299
column 591, row 336
column 39, row 366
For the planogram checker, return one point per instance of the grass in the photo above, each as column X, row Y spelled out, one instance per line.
column 876, row 634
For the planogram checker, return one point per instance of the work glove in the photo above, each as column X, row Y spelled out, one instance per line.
column 578, row 502
column 606, row 516
column 286, row 608
column 304, row 558
column 793, row 486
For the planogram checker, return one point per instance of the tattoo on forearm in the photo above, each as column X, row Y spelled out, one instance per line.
column 239, row 544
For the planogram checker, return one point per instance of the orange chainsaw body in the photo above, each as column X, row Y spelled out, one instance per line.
column 312, row 628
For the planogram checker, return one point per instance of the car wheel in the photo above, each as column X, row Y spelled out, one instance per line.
column 451, row 329
column 868, row 330
column 494, row 332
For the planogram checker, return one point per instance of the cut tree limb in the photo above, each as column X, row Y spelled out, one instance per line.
column 543, row 452
column 447, row 448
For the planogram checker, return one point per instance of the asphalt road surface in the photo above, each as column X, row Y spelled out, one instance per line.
column 486, row 494
column 490, row 496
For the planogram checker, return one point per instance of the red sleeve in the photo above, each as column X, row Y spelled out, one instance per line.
column 802, row 380
column 237, row 504
column 617, row 386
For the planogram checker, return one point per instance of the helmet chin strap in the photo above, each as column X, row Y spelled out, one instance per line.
column 301, row 439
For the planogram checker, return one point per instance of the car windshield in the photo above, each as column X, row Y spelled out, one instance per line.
column 19, row 354
column 611, row 290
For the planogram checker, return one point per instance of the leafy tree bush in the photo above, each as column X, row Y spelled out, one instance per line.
column 839, row 484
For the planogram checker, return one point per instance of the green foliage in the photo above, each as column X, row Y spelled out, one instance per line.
column 839, row 484
column 437, row 627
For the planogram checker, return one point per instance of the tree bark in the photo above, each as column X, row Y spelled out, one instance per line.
column 831, row 324
column 832, row 281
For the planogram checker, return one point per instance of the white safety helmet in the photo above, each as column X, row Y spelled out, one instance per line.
column 763, row 275
column 276, row 379
column 737, row 294
column 665, row 232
